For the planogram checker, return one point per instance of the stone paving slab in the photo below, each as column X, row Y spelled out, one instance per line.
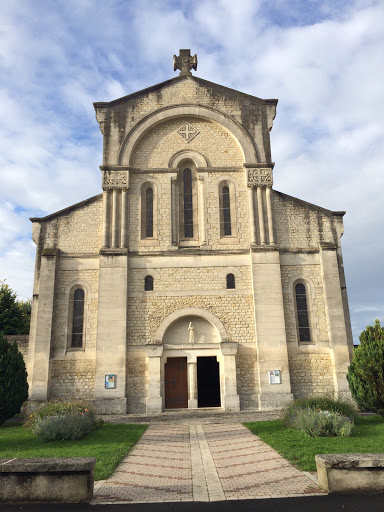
column 202, row 462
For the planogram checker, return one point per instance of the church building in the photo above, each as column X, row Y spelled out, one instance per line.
column 189, row 281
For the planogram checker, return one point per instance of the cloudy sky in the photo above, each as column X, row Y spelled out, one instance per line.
column 323, row 59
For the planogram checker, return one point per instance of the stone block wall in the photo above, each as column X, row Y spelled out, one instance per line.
column 65, row 281
column 299, row 224
column 311, row 374
column 247, row 378
column 72, row 379
column 137, row 380
column 22, row 341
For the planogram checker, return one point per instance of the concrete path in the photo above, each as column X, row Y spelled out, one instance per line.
column 202, row 462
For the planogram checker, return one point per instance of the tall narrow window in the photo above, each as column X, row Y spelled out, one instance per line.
column 149, row 213
column 231, row 284
column 188, row 206
column 148, row 284
column 302, row 313
column 78, row 318
column 226, row 212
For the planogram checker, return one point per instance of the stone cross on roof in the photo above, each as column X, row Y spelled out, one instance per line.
column 185, row 62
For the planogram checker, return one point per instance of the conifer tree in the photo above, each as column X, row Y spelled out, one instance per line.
column 13, row 380
column 366, row 371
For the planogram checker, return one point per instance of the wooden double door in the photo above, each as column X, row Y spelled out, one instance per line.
column 176, row 382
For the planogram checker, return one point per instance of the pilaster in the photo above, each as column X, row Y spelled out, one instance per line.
column 43, row 312
column 271, row 343
column 231, row 399
column 154, row 401
column 335, row 319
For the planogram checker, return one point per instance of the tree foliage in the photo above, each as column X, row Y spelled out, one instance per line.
column 366, row 371
column 15, row 315
column 13, row 380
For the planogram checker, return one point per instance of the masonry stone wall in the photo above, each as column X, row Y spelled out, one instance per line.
column 234, row 311
column 247, row 378
column 311, row 274
column 311, row 374
column 137, row 379
column 72, row 379
column 22, row 341
column 78, row 231
column 159, row 145
column 127, row 114
column 300, row 226
column 65, row 281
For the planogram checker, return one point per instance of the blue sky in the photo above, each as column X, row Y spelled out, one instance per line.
column 321, row 59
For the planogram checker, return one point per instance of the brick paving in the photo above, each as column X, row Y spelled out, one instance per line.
column 202, row 462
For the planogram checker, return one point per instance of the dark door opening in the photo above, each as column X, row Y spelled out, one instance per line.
column 176, row 383
column 208, row 382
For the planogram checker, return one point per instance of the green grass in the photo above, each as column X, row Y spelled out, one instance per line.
column 300, row 450
column 109, row 444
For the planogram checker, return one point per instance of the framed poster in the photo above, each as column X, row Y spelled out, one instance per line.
column 274, row 376
column 110, row 381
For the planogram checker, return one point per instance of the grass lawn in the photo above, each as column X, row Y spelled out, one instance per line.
column 300, row 450
column 109, row 444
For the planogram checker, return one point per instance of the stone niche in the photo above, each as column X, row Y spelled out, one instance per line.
column 178, row 332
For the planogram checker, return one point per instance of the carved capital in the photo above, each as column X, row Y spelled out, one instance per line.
column 174, row 179
column 201, row 178
column 259, row 177
column 115, row 179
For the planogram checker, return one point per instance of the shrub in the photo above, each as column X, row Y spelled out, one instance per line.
column 366, row 371
column 322, row 403
column 63, row 420
column 318, row 423
column 13, row 380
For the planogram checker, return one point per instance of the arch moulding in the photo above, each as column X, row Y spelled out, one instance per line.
column 191, row 312
column 246, row 145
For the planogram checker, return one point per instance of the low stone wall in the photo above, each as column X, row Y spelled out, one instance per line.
column 22, row 341
column 359, row 473
column 55, row 480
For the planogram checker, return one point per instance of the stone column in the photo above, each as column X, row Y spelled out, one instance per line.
column 260, row 211
column 231, row 400
column 268, row 192
column 174, row 210
column 337, row 331
column 201, row 213
column 40, row 358
column 251, row 206
column 123, row 232
column 105, row 241
column 154, row 400
column 115, row 214
column 192, row 383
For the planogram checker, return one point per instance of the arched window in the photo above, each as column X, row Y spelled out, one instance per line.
column 188, row 203
column 149, row 213
column 227, row 209
column 302, row 313
column 148, row 284
column 225, row 217
column 231, row 283
column 78, row 319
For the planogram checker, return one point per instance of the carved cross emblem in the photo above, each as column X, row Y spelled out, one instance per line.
column 187, row 132
column 185, row 62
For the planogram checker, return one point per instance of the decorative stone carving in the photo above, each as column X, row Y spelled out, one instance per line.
column 185, row 62
column 187, row 131
column 174, row 179
column 259, row 177
column 115, row 179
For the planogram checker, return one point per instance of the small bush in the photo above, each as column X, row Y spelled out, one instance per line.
column 322, row 403
column 63, row 420
column 318, row 423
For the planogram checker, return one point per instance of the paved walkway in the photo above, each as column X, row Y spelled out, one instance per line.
column 202, row 462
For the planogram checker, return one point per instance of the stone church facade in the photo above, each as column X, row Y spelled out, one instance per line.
column 189, row 281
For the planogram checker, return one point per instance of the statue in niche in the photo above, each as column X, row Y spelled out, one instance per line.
column 191, row 333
